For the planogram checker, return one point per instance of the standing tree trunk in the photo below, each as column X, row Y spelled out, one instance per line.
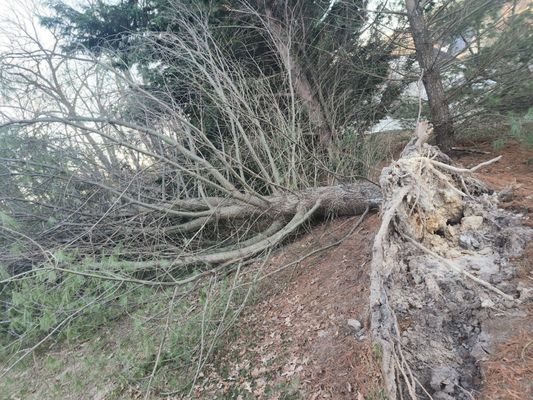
column 303, row 88
column 427, row 58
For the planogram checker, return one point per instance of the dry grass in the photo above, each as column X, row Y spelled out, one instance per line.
column 508, row 374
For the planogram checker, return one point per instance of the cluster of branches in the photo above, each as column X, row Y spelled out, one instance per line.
column 129, row 179
column 95, row 161
column 333, row 53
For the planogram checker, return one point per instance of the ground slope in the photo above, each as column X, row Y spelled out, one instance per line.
column 301, row 338
column 304, row 340
column 508, row 366
column 308, row 328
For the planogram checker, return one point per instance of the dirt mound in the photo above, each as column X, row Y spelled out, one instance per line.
column 507, row 368
column 440, row 273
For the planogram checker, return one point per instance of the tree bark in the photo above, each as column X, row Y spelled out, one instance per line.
column 301, row 84
column 427, row 58
column 339, row 200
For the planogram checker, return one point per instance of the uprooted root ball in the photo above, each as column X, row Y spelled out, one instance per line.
column 440, row 268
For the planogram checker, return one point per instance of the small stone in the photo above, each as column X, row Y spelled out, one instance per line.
column 509, row 304
column 508, row 287
column 475, row 267
column 444, row 379
column 507, row 194
column 526, row 292
column 487, row 303
column 467, row 241
column 473, row 222
column 479, row 352
column 355, row 324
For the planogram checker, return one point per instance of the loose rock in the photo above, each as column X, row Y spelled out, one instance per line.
column 355, row 324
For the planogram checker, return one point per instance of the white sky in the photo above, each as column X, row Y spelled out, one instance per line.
column 16, row 14
column 23, row 12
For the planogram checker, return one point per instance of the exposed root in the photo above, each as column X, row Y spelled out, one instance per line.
column 440, row 264
column 462, row 271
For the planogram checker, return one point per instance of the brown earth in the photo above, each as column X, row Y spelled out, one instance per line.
column 508, row 371
column 299, row 336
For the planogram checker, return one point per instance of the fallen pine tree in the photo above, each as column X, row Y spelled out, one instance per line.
column 124, row 186
column 161, row 185
column 120, row 199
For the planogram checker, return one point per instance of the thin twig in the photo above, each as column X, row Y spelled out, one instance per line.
column 161, row 343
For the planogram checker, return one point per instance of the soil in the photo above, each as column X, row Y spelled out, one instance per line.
column 298, row 341
column 508, row 369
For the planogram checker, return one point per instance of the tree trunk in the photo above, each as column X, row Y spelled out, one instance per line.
column 427, row 58
column 339, row 200
column 301, row 84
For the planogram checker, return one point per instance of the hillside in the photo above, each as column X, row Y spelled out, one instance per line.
column 307, row 333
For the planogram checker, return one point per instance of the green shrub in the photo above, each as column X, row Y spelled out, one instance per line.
column 66, row 304
column 192, row 336
column 191, row 324
column 497, row 144
column 521, row 127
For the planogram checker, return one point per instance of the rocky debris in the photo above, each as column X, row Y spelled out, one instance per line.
column 468, row 242
column 526, row 292
column 472, row 223
column 444, row 381
column 444, row 341
column 506, row 194
column 357, row 327
column 442, row 267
